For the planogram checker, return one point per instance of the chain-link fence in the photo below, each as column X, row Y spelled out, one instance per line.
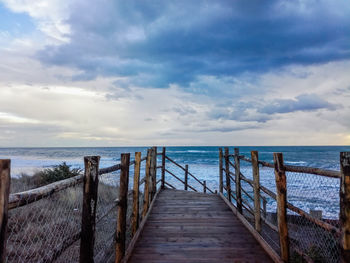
column 312, row 208
column 44, row 224
column 47, row 229
column 318, row 196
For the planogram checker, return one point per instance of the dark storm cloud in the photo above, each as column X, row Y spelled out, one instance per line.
column 157, row 43
column 304, row 102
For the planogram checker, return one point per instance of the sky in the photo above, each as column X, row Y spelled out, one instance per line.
column 140, row 73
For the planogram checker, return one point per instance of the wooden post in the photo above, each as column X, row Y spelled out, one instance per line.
column 186, row 176
column 5, row 182
column 153, row 172
column 221, row 175
column 123, row 206
column 281, row 185
column 146, row 193
column 238, row 181
column 256, row 180
column 163, row 167
column 264, row 207
column 135, row 196
column 88, row 223
column 345, row 205
column 204, row 186
column 227, row 169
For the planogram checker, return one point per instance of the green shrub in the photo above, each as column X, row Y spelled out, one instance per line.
column 57, row 173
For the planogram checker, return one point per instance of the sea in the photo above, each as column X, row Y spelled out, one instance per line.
column 309, row 192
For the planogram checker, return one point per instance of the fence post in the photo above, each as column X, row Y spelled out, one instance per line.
column 5, row 182
column 123, row 206
column 153, row 172
column 221, row 184
column 227, row 170
column 88, row 223
column 256, row 180
column 146, row 193
column 186, row 177
column 135, row 195
column 204, row 186
column 238, row 181
column 345, row 205
column 264, row 207
column 163, row 167
column 281, row 185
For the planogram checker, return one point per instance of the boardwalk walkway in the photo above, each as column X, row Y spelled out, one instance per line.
column 194, row 227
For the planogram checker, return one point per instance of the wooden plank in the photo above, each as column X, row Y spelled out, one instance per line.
column 5, row 181
column 136, row 191
column 238, row 181
column 136, row 237
column 281, row 188
column 345, row 205
column 268, row 249
column 227, row 170
column 221, row 175
column 201, row 228
column 256, row 179
column 88, row 222
column 123, row 206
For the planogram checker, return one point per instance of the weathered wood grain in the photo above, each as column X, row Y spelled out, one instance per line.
column 194, row 227
column 88, row 222
column 123, row 206
column 227, row 171
column 163, row 167
column 281, row 185
column 256, row 179
column 238, row 181
column 345, row 205
column 5, row 181
column 135, row 202
column 146, row 200
column 221, row 175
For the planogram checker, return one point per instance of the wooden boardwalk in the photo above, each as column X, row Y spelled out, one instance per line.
column 194, row 227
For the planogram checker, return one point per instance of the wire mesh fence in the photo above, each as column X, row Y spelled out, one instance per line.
column 319, row 197
column 312, row 209
column 47, row 227
column 42, row 231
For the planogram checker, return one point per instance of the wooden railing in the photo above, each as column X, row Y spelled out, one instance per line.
column 186, row 175
column 229, row 168
column 90, row 181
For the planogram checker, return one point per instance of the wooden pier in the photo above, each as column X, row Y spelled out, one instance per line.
column 178, row 220
column 195, row 227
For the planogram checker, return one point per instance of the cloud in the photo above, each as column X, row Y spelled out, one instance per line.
column 158, row 43
column 50, row 17
column 304, row 102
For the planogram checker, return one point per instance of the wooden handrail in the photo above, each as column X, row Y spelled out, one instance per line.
column 299, row 169
column 189, row 173
column 172, row 174
column 173, row 187
column 30, row 196
column 247, row 194
column 180, row 179
column 172, row 161
column 304, row 214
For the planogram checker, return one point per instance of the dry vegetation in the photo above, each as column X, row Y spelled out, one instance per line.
column 49, row 228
